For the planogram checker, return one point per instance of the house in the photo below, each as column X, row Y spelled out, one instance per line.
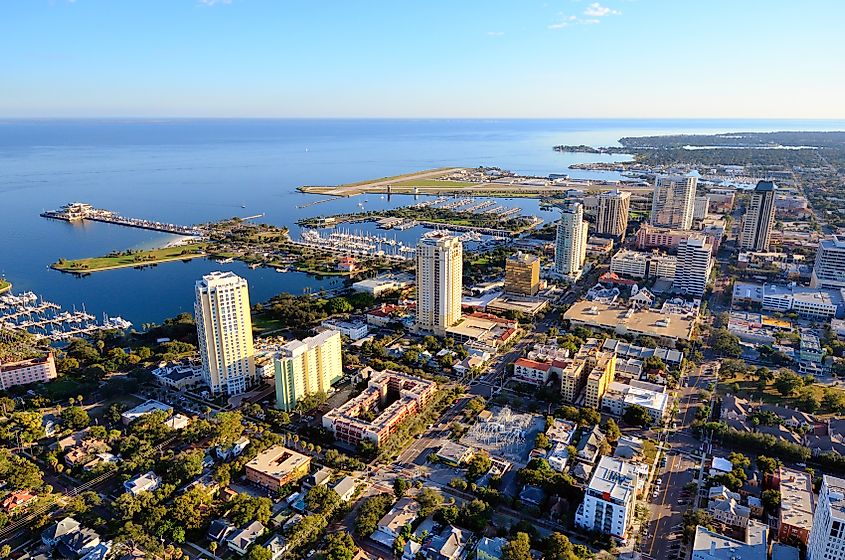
column 51, row 425
column 390, row 526
column 319, row 478
column 724, row 507
column 532, row 495
column 143, row 409
column 720, row 465
column 241, row 539
column 229, row 453
column 78, row 543
column 345, row 488
column 589, row 445
column 411, row 549
column 18, row 499
column 219, row 530
column 561, row 431
column 147, row 482
column 101, row 552
column 85, row 451
column 450, row 544
column 51, row 535
column 629, row 447
column 489, row 549
column 277, row 545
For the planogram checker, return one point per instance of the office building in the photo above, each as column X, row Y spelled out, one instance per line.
column 277, row 466
column 439, row 282
column 612, row 213
column 305, row 367
column 637, row 264
column 673, row 200
column 571, row 241
column 694, row 264
column 23, row 372
column 377, row 412
column 224, row 332
column 829, row 270
column 522, row 274
column 827, row 537
column 759, row 218
column 610, row 498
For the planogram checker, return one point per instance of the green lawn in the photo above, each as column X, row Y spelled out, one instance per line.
column 132, row 258
column 4, row 286
column 749, row 388
column 393, row 177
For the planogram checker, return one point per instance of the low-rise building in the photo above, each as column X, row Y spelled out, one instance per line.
column 454, row 454
column 147, row 482
column 354, row 330
column 143, row 409
column 532, row 372
column 724, row 506
column 390, row 396
column 610, row 498
column 178, row 376
column 637, row 264
column 561, row 431
column 796, row 509
column 709, row 545
column 277, row 466
column 240, row 540
column 390, row 526
column 345, row 488
column 23, row 372
column 489, row 549
column 621, row 396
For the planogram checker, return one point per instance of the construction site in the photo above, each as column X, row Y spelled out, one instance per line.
column 505, row 433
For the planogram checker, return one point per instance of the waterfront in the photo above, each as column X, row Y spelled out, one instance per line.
column 187, row 172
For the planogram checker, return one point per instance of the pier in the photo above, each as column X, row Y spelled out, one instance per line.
column 44, row 319
column 80, row 211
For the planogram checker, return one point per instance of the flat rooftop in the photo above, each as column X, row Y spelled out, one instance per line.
column 614, row 478
column 796, row 493
column 623, row 319
column 277, row 461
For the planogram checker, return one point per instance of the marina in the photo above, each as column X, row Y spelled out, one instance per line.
column 44, row 319
column 80, row 211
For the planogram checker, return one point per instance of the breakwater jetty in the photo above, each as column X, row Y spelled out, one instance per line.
column 80, row 211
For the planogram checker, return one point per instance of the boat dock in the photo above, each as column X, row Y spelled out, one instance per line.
column 44, row 319
column 80, row 211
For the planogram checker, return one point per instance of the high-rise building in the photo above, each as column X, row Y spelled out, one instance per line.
column 673, row 202
column 612, row 213
column 610, row 498
column 439, row 282
column 601, row 375
column 759, row 217
column 305, row 367
column 522, row 274
column 701, row 207
column 829, row 270
column 693, row 266
column 571, row 241
column 827, row 537
column 224, row 332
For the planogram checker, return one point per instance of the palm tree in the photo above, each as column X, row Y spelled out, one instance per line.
column 212, row 547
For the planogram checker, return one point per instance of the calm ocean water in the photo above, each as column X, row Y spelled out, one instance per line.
column 189, row 171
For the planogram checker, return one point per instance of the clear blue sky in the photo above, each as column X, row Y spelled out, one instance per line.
column 423, row 58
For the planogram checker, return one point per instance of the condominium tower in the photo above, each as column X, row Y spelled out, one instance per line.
column 522, row 274
column 673, row 202
column 439, row 282
column 827, row 537
column 305, row 367
column 612, row 213
column 693, row 266
column 224, row 332
column 758, row 220
column 571, row 241
column 829, row 270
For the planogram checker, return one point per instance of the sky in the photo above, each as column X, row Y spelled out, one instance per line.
column 423, row 58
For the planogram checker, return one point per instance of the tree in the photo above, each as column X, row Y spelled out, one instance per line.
column 637, row 415
column 808, row 401
column 788, row 382
column 373, row 509
column 340, row 546
column 612, row 431
column 246, row 509
column 589, row 417
column 429, row 500
column 186, row 465
column 833, row 400
column 192, row 509
column 322, row 499
column 518, row 548
column 558, row 547
column 479, row 464
column 654, row 363
column 212, row 547
column 400, row 486
column 771, row 501
column 541, row 441
column 228, row 428
column 767, row 465
column 726, row 343
column 258, row 552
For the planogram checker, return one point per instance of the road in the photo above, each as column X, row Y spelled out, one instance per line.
column 682, row 466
